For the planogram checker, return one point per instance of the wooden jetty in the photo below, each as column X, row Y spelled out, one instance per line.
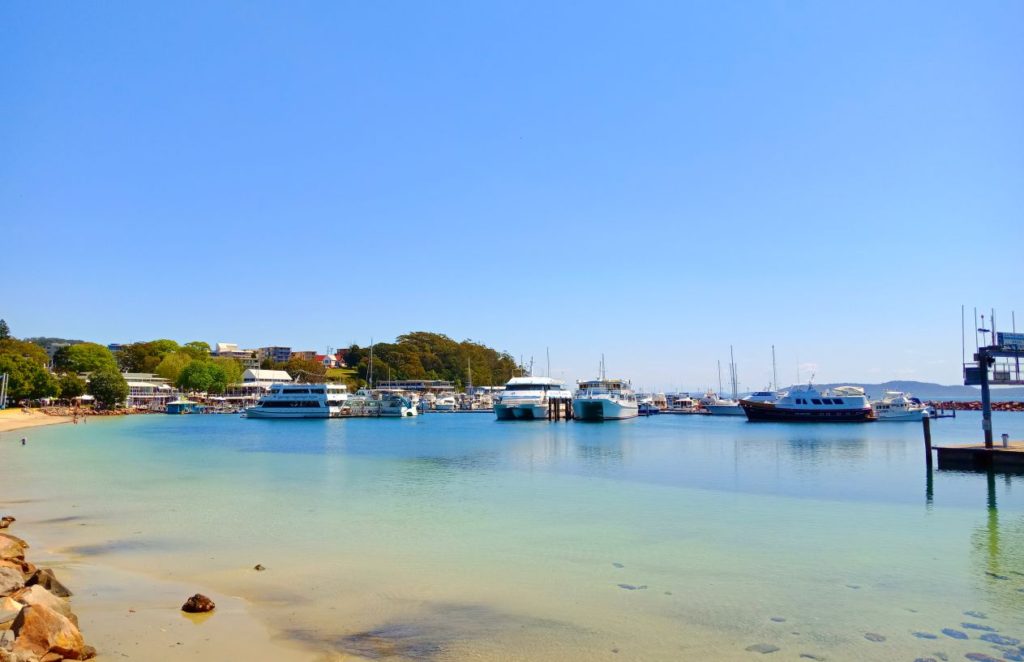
column 979, row 456
column 997, row 363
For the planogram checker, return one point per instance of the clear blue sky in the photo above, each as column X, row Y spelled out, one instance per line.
column 655, row 181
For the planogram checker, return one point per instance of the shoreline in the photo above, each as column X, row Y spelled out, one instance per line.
column 126, row 613
column 20, row 419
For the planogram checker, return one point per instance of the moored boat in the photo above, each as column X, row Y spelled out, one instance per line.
column 898, row 406
column 526, row 398
column 718, row 406
column 605, row 400
column 301, row 401
column 843, row 404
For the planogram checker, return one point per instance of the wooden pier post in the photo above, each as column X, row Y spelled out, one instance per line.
column 927, row 423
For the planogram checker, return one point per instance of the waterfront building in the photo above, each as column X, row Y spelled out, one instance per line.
column 305, row 355
column 417, row 385
column 247, row 357
column 148, row 391
column 275, row 354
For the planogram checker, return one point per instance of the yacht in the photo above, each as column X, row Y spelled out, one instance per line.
column 446, row 403
column 717, row 406
column 806, row 403
column 301, row 401
column 682, row 402
column 605, row 400
column 376, row 404
column 526, row 398
column 898, row 406
column 396, row 405
column 762, row 396
column 647, row 407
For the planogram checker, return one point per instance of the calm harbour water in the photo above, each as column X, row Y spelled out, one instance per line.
column 455, row 536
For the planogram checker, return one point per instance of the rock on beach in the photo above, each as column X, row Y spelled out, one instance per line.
column 198, row 604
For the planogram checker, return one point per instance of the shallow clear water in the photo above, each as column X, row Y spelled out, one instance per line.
column 454, row 536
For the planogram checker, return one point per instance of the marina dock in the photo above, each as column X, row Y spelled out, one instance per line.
column 979, row 456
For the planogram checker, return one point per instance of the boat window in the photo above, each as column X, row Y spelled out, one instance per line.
column 816, row 401
column 837, row 401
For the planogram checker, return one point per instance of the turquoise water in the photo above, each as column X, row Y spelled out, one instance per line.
column 455, row 536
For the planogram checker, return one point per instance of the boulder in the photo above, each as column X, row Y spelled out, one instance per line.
column 198, row 604
column 11, row 580
column 40, row 630
column 45, row 578
column 9, row 608
column 11, row 549
column 37, row 595
column 6, row 521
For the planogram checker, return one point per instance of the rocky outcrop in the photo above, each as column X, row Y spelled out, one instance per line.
column 36, row 620
column 44, row 577
column 40, row 630
column 11, row 580
column 198, row 604
column 37, row 595
column 12, row 547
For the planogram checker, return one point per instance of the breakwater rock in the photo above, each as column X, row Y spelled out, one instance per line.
column 975, row 405
column 37, row 623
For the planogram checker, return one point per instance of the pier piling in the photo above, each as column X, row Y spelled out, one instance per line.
column 927, row 423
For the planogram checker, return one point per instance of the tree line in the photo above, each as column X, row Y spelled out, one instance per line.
column 425, row 355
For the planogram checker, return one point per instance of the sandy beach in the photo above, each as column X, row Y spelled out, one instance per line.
column 16, row 419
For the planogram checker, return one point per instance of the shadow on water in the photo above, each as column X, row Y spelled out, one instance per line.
column 434, row 633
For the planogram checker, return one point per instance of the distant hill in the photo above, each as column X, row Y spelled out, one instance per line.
column 929, row 391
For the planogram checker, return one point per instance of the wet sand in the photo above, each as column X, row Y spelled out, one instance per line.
column 17, row 419
column 127, row 614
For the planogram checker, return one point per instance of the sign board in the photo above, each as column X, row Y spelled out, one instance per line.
column 1010, row 340
column 972, row 376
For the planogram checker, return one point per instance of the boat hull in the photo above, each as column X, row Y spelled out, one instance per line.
column 767, row 411
column 259, row 412
column 603, row 409
column 521, row 412
column 724, row 410
column 912, row 415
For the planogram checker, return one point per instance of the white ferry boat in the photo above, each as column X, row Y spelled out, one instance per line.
column 526, row 398
column 898, row 406
column 605, row 400
column 301, row 401
column 808, row 404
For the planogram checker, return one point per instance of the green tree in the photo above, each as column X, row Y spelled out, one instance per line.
column 306, row 371
column 108, row 386
column 145, row 356
column 84, row 357
column 24, row 349
column 5, row 331
column 232, row 368
column 71, row 386
column 171, row 366
column 197, row 349
column 26, row 379
column 205, row 376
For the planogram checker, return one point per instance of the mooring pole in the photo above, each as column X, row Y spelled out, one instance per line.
column 927, row 423
column 986, row 396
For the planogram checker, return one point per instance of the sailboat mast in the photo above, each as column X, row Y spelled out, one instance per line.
column 732, row 370
column 719, row 377
column 775, row 376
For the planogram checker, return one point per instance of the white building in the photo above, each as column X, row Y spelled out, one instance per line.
column 247, row 357
column 148, row 391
